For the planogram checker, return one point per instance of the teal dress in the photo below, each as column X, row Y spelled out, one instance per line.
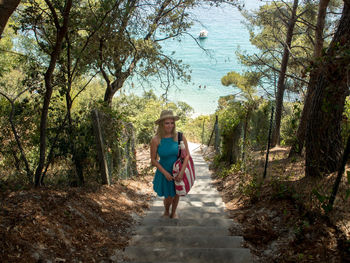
column 167, row 151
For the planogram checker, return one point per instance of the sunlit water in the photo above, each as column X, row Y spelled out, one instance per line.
column 226, row 34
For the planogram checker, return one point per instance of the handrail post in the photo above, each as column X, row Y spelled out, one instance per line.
column 268, row 143
column 217, row 137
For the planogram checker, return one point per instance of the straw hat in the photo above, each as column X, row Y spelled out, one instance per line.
column 166, row 114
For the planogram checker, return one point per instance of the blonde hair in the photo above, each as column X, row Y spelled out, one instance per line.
column 161, row 133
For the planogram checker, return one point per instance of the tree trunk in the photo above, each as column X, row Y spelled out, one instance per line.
column 282, row 75
column 321, row 20
column 114, row 87
column 298, row 145
column 61, row 32
column 245, row 131
column 119, row 75
column 323, row 138
column 17, row 137
column 230, row 145
column 78, row 178
column 7, row 7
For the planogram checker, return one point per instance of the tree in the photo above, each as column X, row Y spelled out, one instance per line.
column 323, row 134
column 16, row 85
column 143, row 111
column 230, row 114
column 298, row 145
column 7, row 7
column 131, row 46
column 35, row 18
column 282, row 74
column 268, row 28
column 16, row 77
column 74, row 66
column 247, row 84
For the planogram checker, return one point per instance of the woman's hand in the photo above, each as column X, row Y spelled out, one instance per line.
column 168, row 176
column 179, row 177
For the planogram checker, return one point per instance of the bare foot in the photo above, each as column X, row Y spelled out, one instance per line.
column 174, row 216
column 166, row 215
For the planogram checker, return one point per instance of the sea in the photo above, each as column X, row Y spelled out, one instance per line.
column 209, row 59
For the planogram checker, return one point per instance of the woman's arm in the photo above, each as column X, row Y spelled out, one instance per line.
column 154, row 161
column 181, row 174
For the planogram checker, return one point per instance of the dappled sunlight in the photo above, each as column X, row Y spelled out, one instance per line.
column 45, row 223
column 279, row 217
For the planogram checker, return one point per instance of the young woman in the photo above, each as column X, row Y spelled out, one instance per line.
column 165, row 145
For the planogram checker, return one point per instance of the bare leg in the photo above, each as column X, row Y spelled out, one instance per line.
column 167, row 202
column 174, row 206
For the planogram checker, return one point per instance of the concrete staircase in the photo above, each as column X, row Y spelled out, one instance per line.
column 200, row 235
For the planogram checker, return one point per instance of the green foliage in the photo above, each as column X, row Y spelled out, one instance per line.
column 234, row 168
column 230, row 113
column 246, row 82
column 8, row 60
column 143, row 111
column 268, row 29
column 299, row 230
column 132, row 45
column 25, row 119
column 61, row 135
column 345, row 125
column 323, row 200
column 280, row 189
column 199, row 129
column 290, row 122
column 251, row 188
column 347, row 194
column 259, row 123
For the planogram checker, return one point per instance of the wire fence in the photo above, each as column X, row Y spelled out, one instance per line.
column 115, row 146
column 239, row 134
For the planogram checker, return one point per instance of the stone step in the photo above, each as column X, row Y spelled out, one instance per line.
column 202, row 196
column 153, row 262
column 200, row 235
column 181, row 209
column 187, row 241
column 215, row 200
column 196, row 197
column 201, row 170
column 203, row 191
column 195, row 191
column 189, row 255
column 218, row 221
column 188, row 214
column 192, row 203
column 182, row 230
column 203, row 177
column 203, row 186
column 209, row 192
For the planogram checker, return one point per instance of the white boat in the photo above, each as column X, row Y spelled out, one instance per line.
column 203, row 33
